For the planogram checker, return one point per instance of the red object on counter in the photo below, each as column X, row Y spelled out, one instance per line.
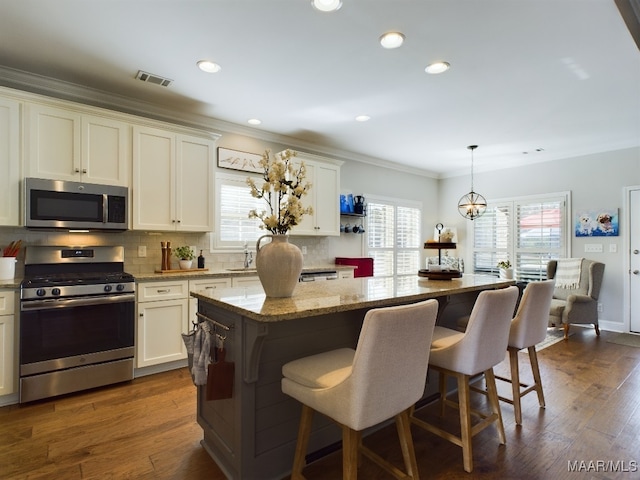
column 364, row 265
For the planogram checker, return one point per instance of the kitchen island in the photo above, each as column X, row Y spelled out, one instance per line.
column 253, row 434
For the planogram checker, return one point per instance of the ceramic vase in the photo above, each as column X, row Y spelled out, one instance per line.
column 279, row 265
column 185, row 264
column 506, row 273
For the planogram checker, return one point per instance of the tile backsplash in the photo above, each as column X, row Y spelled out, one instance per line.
column 319, row 250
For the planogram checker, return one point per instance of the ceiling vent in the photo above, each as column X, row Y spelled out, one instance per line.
column 155, row 79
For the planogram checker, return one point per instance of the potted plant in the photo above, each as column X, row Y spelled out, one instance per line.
column 186, row 256
column 506, row 270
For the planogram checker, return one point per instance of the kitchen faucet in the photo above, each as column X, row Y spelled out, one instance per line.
column 248, row 256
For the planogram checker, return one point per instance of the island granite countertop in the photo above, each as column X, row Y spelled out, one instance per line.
column 332, row 296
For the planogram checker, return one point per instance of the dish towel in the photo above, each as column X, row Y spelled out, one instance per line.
column 201, row 353
column 568, row 272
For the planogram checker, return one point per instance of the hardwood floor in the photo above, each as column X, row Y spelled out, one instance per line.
column 147, row 429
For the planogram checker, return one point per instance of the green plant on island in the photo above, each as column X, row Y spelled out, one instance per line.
column 504, row 264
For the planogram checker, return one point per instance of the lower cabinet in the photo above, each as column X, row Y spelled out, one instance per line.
column 206, row 285
column 163, row 316
column 7, row 360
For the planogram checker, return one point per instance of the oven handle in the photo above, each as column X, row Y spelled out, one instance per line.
column 76, row 302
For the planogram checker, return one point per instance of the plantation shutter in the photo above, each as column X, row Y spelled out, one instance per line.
column 233, row 225
column 527, row 231
column 393, row 237
column 540, row 236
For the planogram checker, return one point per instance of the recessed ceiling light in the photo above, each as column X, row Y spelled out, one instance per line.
column 363, row 118
column 437, row 67
column 254, row 121
column 326, row 5
column 392, row 39
column 209, row 66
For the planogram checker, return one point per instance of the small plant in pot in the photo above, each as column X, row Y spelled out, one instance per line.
column 186, row 256
column 506, row 270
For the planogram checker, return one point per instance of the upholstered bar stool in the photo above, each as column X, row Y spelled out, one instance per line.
column 464, row 355
column 379, row 380
column 528, row 328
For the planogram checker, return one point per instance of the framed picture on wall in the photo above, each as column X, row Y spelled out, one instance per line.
column 601, row 222
column 237, row 160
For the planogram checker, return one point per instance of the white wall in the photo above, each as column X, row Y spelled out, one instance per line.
column 595, row 181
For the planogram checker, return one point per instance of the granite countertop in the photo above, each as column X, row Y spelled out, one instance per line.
column 216, row 273
column 332, row 296
column 11, row 283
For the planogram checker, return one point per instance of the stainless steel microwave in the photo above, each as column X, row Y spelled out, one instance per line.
column 75, row 205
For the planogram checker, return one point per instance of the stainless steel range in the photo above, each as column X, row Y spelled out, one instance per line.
column 77, row 320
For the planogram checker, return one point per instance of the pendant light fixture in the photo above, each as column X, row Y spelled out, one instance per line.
column 472, row 205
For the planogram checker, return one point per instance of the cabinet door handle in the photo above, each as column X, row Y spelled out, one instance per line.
column 77, row 170
column 84, row 170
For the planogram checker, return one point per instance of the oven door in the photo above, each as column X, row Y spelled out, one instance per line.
column 64, row 333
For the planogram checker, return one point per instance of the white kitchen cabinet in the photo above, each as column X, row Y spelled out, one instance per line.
column 251, row 281
column 65, row 144
column 163, row 316
column 172, row 181
column 204, row 285
column 9, row 162
column 323, row 197
column 7, row 358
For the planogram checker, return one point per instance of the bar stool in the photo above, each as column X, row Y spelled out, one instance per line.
column 463, row 355
column 381, row 379
column 528, row 328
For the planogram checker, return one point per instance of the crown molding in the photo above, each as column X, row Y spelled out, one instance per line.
column 59, row 89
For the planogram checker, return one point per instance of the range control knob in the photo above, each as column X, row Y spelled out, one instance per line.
column 41, row 292
column 120, row 287
column 55, row 291
column 107, row 288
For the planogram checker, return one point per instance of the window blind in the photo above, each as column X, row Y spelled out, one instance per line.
column 234, row 228
column 393, row 237
column 527, row 231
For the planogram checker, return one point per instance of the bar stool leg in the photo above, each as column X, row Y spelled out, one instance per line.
column 533, row 358
column 304, row 430
column 492, row 391
column 515, row 384
column 465, row 421
column 442, row 386
column 403, row 424
column 350, row 444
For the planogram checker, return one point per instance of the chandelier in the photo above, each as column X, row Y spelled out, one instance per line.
column 472, row 205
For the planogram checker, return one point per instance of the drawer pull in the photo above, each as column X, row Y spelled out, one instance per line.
column 164, row 290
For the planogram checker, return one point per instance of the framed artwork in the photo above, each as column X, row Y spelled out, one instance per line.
column 237, row 160
column 597, row 223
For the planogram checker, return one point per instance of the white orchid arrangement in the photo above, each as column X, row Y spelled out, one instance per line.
column 282, row 189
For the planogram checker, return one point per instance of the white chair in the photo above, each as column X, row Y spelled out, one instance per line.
column 379, row 380
column 528, row 328
column 464, row 355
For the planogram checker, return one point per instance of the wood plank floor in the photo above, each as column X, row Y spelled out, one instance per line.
column 146, row 429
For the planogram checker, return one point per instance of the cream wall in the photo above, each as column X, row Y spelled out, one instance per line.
column 595, row 181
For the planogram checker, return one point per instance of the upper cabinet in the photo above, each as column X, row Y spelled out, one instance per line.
column 172, row 181
column 323, row 197
column 9, row 162
column 64, row 144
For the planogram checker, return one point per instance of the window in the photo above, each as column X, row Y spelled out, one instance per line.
column 528, row 231
column 233, row 227
column 393, row 236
